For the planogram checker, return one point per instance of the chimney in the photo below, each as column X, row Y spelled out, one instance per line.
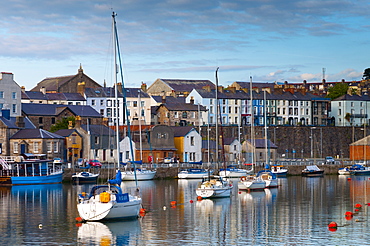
column 143, row 86
column 192, row 100
column 105, row 121
column 343, row 80
column 23, row 89
column 78, row 121
column 19, row 121
column 164, row 99
column 70, row 124
column 304, row 82
column 81, row 88
column 323, row 81
column 119, row 87
column 43, row 90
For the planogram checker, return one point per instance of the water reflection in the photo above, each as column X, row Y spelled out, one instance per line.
column 109, row 233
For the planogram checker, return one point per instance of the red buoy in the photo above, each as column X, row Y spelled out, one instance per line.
column 333, row 225
column 348, row 213
column 199, row 198
column 368, row 204
column 79, row 219
column 358, row 205
column 173, row 203
column 348, row 178
column 356, row 209
column 142, row 211
column 191, row 201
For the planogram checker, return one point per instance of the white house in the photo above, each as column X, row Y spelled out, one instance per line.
column 10, row 94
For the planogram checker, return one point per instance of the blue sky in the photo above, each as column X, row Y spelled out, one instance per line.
column 270, row 40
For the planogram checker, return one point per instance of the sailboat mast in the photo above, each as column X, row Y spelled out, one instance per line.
column 141, row 142
column 216, row 118
column 252, row 121
column 265, row 121
column 116, row 88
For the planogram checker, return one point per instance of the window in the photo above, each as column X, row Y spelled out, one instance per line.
column 35, row 147
column 340, row 104
column 109, row 112
column 40, row 120
column 127, row 154
column 192, row 114
column 109, row 103
column 352, row 104
column 339, row 111
column 142, row 112
column 15, row 147
column 134, row 103
column 229, row 110
column 223, row 101
column 211, row 110
column 223, row 109
column 111, row 152
column 142, row 103
column 184, row 115
column 128, row 103
column 192, row 140
column 93, row 102
column 1, row 94
column 236, row 110
column 56, row 147
column 102, row 112
column 101, row 102
column 96, row 140
column 210, row 101
column 14, row 95
column 1, row 105
column 14, row 108
column 48, row 147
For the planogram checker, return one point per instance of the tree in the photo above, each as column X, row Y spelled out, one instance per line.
column 337, row 90
column 366, row 74
column 63, row 124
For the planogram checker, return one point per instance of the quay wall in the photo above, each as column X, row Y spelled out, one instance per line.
column 171, row 172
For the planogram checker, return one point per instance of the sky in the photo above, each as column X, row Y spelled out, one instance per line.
column 268, row 40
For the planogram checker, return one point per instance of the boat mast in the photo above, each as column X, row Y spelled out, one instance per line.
column 141, row 142
column 265, row 121
column 116, row 87
column 252, row 121
column 216, row 118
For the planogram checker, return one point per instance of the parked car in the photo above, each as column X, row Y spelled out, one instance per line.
column 329, row 160
column 95, row 163
column 167, row 160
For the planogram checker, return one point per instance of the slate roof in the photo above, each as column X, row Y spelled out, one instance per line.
column 347, row 97
column 178, row 104
column 260, row 143
column 212, row 144
column 35, row 133
column 134, row 92
column 55, row 109
column 182, row 85
column 228, row 141
column 52, row 83
column 65, row 132
column 169, row 100
column 99, row 130
column 8, row 123
column 181, row 131
column 260, row 85
column 37, row 95
column 103, row 92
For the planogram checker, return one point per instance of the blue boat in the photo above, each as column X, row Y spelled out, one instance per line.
column 193, row 173
column 359, row 169
column 31, row 171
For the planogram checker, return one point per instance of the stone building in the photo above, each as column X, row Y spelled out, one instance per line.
column 66, row 84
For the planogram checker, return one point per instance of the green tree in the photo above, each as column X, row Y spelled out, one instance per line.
column 63, row 124
column 366, row 74
column 337, row 90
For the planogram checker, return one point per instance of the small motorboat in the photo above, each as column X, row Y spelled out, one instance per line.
column 279, row 171
column 141, row 174
column 213, row 186
column 251, row 182
column 344, row 171
column 359, row 169
column 312, row 171
column 85, row 178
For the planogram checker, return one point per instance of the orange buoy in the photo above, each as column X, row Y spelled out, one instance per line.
column 199, row 198
column 356, row 209
column 358, row 205
column 348, row 178
column 173, row 203
column 348, row 217
column 142, row 211
column 333, row 225
column 191, row 201
column 78, row 224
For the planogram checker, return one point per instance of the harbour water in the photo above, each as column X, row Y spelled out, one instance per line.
column 296, row 213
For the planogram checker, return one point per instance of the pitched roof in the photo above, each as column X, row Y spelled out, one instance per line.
column 35, row 133
column 181, row 131
column 65, row 132
column 55, row 109
column 260, row 143
column 100, row 130
column 53, row 83
column 181, row 85
column 228, row 141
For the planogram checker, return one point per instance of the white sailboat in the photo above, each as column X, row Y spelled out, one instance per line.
column 251, row 182
column 109, row 201
column 214, row 186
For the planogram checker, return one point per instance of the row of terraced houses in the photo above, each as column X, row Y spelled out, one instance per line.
column 170, row 102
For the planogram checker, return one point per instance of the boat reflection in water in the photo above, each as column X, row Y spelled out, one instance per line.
column 109, row 233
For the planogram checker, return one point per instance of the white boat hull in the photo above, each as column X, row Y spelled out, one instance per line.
column 94, row 210
column 233, row 174
column 251, row 183
column 140, row 175
column 191, row 175
column 214, row 192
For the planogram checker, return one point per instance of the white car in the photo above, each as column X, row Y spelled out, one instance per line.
column 167, row 160
column 329, row 160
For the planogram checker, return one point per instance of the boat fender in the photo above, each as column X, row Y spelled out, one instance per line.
column 104, row 197
column 243, row 178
